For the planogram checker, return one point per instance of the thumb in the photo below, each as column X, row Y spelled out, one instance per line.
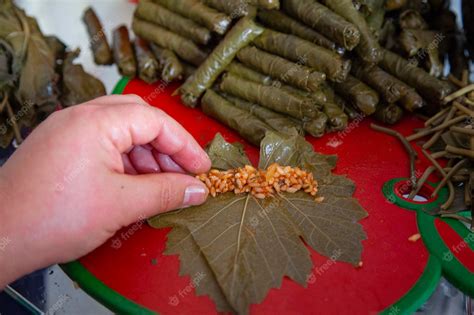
column 139, row 196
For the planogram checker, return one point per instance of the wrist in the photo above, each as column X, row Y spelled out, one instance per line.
column 15, row 258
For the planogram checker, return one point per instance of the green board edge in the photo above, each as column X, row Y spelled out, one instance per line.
column 453, row 269
column 388, row 191
column 102, row 293
column 121, row 85
column 420, row 292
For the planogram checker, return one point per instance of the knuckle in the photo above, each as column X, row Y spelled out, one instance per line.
column 81, row 111
column 134, row 98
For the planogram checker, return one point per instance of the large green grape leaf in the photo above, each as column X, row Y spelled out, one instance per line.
column 245, row 246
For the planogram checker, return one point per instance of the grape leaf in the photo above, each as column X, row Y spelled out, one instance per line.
column 245, row 246
column 225, row 155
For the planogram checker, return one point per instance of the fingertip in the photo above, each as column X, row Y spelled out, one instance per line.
column 195, row 194
column 127, row 165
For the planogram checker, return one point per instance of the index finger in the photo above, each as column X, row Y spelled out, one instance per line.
column 129, row 125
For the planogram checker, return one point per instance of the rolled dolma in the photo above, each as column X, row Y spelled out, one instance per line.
column 388, row 114
column 281, row 69
column 188, row 70
column 170, row 65
column 414, row 41
column 318, row 97
column 246, row 73
column 359, row 94
column 199, row 13
column 317, row 125
column 412, row 20
column 238, row 37
column 277, row 121
column 281, row 22
column 390, row 88
column 306, row 53
column 247, row 125
column 268, row 96
column 148, row 67
column 337, row 119
column 332, row 97
column 325, row 21
column 155, row 13
column 411, row 100
column 376, row 20
column 266, row 4
column 368, row 49
column 233, row 8
column 78, row 86
column 350, row 111
column 183, row 47
column 123, row 52
column 97, row 38
column 428, row 86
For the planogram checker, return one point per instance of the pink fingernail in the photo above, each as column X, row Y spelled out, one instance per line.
column 195, row 195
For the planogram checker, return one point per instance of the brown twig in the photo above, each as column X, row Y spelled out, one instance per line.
column 426, row 132
column 421, row 182
column 448, row 176
column 459, row 93
column 438, row 134
column 463, row 109
column 466, row 131
column 450, row 200
column 409, row 149
column 460, row 151
column 439, row 116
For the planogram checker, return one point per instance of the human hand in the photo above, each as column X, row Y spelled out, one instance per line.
column 88, row 171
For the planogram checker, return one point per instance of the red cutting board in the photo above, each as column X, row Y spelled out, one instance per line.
column 132, row 264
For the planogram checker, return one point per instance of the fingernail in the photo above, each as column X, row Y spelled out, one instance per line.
column 195, row 195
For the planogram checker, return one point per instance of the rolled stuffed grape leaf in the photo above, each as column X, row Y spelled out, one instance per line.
column 279, row 21
column 155, row 13
column 305, row 53
column 249, row 126
column 243, row 246
column 200, row 13
column 368, row 48
column 237, row 38
column 325, row 21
